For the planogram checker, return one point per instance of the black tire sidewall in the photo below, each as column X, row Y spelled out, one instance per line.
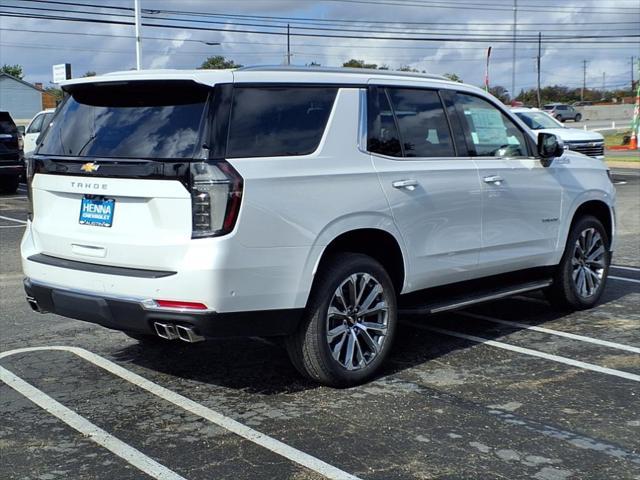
column 343, row 266
column 573, row 298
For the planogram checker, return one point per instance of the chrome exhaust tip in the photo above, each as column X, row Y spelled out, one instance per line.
column 33, row 303
column 166, row 331
column 187, row 334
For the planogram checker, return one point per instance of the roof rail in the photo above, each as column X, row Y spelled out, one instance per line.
column 361, row 71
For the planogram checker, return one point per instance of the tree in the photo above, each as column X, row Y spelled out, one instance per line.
column 89, row 73
column 55, row 92
column 218, row 62
column 500, row 93
column 408, row 68
column 313, row 64
column 453, row 77
column 13, row 70
column 353, row 63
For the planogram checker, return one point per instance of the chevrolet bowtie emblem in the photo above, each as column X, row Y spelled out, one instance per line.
column 89, row 167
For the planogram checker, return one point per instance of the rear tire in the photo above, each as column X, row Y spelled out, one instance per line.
column 9, row 184
column 578, row 118
column 349, row 323
column 582, row 273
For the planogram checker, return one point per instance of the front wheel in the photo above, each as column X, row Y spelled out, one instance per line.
column 349, row 323
column 581, row 276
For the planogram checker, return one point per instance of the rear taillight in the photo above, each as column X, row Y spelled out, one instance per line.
column 216, row 193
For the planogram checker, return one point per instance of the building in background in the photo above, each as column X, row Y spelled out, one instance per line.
column 22, row 99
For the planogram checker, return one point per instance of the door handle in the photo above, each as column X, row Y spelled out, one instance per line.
column 409, row 184
column 495, row 179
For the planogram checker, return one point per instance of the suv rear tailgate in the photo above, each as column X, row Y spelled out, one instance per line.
column 151, row 221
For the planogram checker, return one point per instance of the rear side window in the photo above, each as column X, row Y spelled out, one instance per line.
column 423, row 125
column 146, row 120
column 278, row 121
column 36, row 124
column 7, row 126
column 383, row 137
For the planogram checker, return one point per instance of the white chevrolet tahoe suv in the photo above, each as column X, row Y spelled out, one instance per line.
column 316, row 205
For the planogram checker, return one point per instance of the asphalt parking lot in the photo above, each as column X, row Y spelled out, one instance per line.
column 507, row 390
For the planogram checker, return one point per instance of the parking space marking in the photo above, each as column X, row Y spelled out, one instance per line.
column 558, row 333
column 632, row 280
column 13, row 219
column 12, row 226
column 633, row 269
column 248, row 433
column 530, row 352
column 82, row 425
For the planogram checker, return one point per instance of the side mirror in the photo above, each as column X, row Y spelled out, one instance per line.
column 549, row 146
column 21, row 130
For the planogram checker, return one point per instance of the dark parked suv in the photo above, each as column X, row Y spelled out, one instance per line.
column 11, row 154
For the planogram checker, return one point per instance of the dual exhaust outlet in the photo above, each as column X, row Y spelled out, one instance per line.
column 169, row 331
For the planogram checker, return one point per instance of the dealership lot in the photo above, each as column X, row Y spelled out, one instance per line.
column 549, row 396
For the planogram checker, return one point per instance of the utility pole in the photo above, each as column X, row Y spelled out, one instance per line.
column 584, row 79
column 136, row 7
column 604, row 82
column 288, row 44
column 632, row 68
column 513, row 62
column 539, row 61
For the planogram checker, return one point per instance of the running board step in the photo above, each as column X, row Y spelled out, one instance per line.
column 461, row 301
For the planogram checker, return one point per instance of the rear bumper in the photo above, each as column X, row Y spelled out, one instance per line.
column 129, row 314
column 17, row 168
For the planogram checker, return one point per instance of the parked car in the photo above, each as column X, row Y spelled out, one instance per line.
column 583, row 141
column 582, row 104
column 563, row 112
column 39, row 123
column 11, row 154
column 313, row 204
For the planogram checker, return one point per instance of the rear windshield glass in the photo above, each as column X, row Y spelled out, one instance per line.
column 6, row 124
column 159, row 120
column 278, row 121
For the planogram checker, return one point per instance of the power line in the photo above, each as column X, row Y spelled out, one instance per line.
column 474, row 39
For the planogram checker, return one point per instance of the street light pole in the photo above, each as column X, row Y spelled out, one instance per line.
column 539, row 61
column 136, row 7
column 513, row 62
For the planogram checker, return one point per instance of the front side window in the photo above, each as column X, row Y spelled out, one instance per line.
column 422, row 122
column 382, row 133
column 278, row 121
column 142, row 120
column 489, row 132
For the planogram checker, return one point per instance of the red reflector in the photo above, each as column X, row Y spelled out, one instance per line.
column 177, row 304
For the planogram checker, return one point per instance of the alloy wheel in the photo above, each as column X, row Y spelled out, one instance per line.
column 588, row 262
column 357, row 321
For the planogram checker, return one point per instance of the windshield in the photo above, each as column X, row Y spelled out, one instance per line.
column 538, row 120
column 158, row 120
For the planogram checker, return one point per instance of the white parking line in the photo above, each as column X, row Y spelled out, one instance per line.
column 533, row 353
column 633, row 269
column 13, row 219
column 82, row 425
column 276, row 446
column 632, row 280
column 558, row 333
column 12, row 226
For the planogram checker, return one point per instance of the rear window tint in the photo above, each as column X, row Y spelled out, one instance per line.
column 7, row 126
column 278, row 121
column 159, row 120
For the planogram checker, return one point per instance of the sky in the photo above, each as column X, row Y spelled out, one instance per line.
column 103, row 48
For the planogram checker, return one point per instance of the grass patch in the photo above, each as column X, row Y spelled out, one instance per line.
column 614, row 139
column 626, row 158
